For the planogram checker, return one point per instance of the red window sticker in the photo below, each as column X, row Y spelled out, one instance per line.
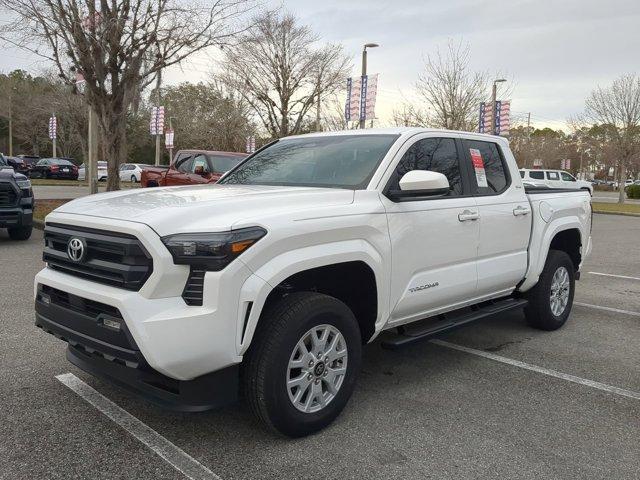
column 478, row 166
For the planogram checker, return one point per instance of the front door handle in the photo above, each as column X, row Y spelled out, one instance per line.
column 467, row 215
column 520, row 210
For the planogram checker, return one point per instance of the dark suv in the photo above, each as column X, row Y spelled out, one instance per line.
column 16, row 202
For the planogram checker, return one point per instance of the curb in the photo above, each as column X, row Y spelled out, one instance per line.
column 625, row 214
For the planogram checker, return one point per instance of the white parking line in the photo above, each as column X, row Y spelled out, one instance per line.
column 616, row 276
column 608, row 309
column 174, row 455
column 545, row 371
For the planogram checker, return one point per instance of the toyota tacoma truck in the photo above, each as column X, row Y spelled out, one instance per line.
column 267, row 284
column 16, row 203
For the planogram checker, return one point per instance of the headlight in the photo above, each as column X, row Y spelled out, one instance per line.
column 211, row 250
column 24, row 183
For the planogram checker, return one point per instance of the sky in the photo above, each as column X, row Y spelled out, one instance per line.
column 553, row 52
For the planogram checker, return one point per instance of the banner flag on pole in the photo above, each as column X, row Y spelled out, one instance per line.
column 361, row 98
column 53, row 127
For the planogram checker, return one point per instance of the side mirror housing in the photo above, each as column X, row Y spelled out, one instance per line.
column 421, row 183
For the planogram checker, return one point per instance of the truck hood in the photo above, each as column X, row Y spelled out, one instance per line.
column 205, row 208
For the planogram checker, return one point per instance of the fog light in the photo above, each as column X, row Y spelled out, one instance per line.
column 110, row 323
column 46, row 299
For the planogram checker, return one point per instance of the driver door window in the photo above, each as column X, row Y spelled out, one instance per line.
column 567, row 178
column 200, row 165
column 434, row 154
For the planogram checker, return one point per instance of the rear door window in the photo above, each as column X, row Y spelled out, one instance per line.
column 488, row 169
column 224, row 163
column 553, row 176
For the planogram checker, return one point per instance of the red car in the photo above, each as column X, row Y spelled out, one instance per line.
column 191, row 167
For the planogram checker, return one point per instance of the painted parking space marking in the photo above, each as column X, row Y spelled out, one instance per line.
column 173, row 454
column 545, row 371
column 608, row 309
column 615, row 276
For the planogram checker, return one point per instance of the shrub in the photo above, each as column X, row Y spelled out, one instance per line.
column 633, row 191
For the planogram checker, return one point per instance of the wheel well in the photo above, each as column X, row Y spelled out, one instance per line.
column 568, row 241
column 353, row 283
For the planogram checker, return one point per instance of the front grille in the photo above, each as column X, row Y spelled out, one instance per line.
column 111, row 258
column 192, row 293
column 8, row 196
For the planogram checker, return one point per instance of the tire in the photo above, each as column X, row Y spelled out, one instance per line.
column 540, row 310
column 20, row 233
column 267, row 367
column 133, row 179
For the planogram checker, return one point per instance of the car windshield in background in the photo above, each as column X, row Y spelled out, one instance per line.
column 339, row 161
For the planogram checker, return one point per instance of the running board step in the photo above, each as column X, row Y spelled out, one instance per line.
column 408, row 334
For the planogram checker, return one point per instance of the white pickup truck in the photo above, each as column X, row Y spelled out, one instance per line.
column 269, row 283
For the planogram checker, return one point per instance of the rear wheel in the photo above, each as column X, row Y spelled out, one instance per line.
column 302, row 366
column 550, row 301
column 133, row 179
column 20, row 233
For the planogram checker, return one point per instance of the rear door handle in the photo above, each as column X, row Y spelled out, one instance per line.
column 520, row 210
column 467, row 215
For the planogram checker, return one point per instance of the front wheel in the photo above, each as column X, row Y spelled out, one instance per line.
column 133, row 179
column 302, row 366
column 550, row 301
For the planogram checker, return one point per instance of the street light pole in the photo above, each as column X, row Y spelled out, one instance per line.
column 494, row 114
column 158, row 83
column 364, row 69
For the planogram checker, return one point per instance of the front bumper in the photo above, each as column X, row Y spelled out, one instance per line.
column 16, row 217
column 113, row 355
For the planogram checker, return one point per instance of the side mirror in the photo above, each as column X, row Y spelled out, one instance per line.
column 421, row 183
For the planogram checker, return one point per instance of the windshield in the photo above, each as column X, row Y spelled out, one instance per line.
column 340, row 161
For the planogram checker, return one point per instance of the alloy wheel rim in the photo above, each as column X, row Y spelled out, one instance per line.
column 317, row 368
column 560, row 287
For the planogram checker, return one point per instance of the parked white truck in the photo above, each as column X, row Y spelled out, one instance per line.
column 269, row 283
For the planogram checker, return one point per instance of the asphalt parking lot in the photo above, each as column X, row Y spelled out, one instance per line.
column 427, row 411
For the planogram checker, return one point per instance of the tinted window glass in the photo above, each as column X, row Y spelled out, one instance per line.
column 334, row 161
column 567, row 178
column 224, row 163
column 521, row 174
column 537, row 175
column 59, row 161
column 435, row 154
column 488, row 169
column 200, row 165
column 183, row 163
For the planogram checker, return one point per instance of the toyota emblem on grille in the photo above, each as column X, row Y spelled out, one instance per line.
column 76, row 249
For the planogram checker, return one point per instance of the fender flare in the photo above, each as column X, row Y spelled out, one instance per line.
column 556, row 226
column 258, row 286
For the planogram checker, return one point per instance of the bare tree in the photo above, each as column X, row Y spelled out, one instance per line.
column 451, row 90
column 619, row 106
column 119, row 47
column 280, row 73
